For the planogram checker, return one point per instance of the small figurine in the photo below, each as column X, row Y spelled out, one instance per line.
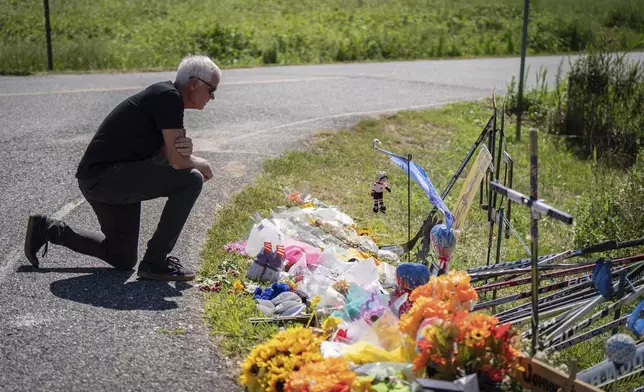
column 379, row 187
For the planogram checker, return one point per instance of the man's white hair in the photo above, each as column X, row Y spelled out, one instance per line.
column 196, row 65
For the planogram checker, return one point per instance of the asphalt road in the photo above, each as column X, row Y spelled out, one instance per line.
column 77, row 325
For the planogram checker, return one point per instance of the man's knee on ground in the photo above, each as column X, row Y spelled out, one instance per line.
column 196, row 179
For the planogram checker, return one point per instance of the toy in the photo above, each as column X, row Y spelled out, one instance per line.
column 377, row 191
column 408, row 277
column 621, row 348
column 267, row 264
column 443, row 241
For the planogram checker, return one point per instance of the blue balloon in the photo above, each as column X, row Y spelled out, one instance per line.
column 412, row 275
column 443, row 240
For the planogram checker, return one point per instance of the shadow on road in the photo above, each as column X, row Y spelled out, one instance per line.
column 109, row 288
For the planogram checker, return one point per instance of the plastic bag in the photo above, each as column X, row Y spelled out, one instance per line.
column 388, row 255
column 386, row 329
column 388, row 272
column 364, row 273
column 330, row 259
column 264, row 231
column 266, row 307
column 383, row 369
column 284, row 297
column 363, row 352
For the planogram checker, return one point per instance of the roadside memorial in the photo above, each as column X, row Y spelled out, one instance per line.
column 353, row 315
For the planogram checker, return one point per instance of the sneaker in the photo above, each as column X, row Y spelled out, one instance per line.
column 36, row 237
column 171, row 269
column 383, row 209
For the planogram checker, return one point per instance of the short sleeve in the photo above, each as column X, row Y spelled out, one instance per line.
column 168, row 110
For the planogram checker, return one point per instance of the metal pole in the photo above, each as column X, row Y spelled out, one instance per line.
column 534, row 237
column 524, row 39
column 409, row 203
column 50, row 58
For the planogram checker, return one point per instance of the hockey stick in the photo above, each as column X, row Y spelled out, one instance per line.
column 571, row 271
column 635, row 274
column 562, row 302
column 550, row 311
column 549, row 324
column 585, row 281
column 522, row 281
column 521, row 271
column 634, row 375
column 608, row 370
column 573, row 285
column 588, row 335
column 552, row 324
column 601, row 247
column 625, row 300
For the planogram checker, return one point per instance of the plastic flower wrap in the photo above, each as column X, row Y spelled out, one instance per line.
column 477, row 343
column 329, row 375
column 269, row 364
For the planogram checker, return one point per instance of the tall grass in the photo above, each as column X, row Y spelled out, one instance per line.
column 604, row 110
column 598, row 106
column 616, row 211
column 142, row 34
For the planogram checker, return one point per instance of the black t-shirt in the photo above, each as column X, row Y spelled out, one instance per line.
column 132, row 131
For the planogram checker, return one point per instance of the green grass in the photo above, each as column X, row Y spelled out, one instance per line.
column 339, row 167
column 139, row 34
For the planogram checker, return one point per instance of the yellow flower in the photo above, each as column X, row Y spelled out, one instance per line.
column 480, row 333
column 331, row 324
column 269, row 364
column 315, row 301
column 238, row 285
column 362, row 384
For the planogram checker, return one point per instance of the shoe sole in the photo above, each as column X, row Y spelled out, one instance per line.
column 153, row 276
column 30, row 228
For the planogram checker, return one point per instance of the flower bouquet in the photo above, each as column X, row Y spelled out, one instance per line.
column 452, row 342
column 269, row 364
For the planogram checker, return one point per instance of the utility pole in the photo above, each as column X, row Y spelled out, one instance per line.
column 50, row 58
column 524, row 44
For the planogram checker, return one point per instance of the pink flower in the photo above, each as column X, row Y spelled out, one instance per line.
column 238, row 247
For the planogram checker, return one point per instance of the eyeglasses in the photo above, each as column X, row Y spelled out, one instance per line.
column 212, row 89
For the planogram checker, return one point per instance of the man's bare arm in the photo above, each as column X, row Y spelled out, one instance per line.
column 175, row 159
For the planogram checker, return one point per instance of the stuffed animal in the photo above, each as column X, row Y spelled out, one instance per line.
column 379, row 187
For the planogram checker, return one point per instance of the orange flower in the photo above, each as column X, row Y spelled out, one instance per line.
column 501, row 330
column 421, row 360
column 331, row 374
column 480, row 333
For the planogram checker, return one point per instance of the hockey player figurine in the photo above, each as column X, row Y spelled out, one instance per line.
column 379, row 187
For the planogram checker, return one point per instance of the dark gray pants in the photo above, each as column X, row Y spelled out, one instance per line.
column 116, row 198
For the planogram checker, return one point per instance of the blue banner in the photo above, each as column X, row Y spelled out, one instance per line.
column 419, row 176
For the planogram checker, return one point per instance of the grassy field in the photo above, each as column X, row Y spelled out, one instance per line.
column 339, row 168
column 141, row 34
